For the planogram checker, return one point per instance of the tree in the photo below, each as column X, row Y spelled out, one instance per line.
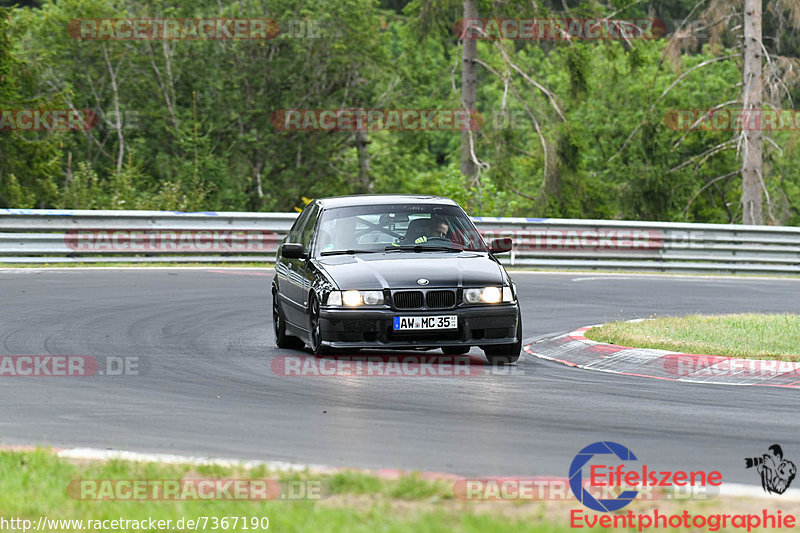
column 752, row 81
column 29, row 164
column 469, row 91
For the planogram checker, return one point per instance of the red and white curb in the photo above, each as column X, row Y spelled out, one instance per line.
column 574, row 349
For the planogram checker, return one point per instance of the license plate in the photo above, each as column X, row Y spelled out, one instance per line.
column 402, row 323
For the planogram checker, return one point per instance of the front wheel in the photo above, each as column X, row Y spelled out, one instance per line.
column 315, row 333
column 506, row 354
column 282, row 340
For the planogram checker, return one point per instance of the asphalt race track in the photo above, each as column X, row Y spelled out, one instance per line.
column 205, row 343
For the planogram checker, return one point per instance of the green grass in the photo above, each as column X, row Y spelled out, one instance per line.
column 751, row 336
column 34, row 484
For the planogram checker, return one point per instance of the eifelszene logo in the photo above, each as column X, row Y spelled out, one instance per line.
column 776, row 472
column 576, row 476
column 604, row 474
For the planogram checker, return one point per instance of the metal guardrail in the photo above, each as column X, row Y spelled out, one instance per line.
column 60, row 236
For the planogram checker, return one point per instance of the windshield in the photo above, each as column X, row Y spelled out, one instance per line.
column 410, row 227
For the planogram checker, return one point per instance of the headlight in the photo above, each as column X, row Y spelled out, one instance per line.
column 491, row 295
column 472, row 296
column 372, row 297
column 355, row 298
column 351, row 298
column 488, row 295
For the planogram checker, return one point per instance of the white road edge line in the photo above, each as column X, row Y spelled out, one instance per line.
column 96, row 454
column 755, row 491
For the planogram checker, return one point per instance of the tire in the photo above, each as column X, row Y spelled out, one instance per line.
column 506, row 354
column 455, row 350
column 282, row 340
column 314, row 333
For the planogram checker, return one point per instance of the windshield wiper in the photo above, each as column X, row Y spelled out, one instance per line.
column 347, row 252
column 422, row 248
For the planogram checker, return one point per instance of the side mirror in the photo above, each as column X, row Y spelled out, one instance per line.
column 500, row 246
column 293, row 250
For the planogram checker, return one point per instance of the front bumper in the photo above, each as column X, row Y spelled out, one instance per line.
column 373, row 328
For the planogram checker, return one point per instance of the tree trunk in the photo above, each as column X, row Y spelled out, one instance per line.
column 365, row 181
column 257, row 171
column 469, row 88
column 752, row 178
column 118, row 125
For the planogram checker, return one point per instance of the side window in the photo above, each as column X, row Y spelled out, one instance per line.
column 307, row 232
column 299, row 225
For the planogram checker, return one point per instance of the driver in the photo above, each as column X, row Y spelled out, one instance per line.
column 438, row 228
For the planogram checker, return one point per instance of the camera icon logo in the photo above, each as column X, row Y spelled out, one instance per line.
column 776, row 472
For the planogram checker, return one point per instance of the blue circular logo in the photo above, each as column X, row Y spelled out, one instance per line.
column 576, row 476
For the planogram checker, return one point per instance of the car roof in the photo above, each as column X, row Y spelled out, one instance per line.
column 379, row 199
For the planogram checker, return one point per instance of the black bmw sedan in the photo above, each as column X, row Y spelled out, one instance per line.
column 393, row 272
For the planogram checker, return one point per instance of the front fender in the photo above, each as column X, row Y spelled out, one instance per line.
column 321, row 285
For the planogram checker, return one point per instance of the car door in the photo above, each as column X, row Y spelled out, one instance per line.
column 305, row 277
column 286, row 271
column 296, row 284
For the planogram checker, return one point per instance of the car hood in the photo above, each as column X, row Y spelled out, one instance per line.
column 398, row 270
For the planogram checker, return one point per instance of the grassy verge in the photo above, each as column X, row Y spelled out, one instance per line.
column 751, row 336
column 35, row 484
